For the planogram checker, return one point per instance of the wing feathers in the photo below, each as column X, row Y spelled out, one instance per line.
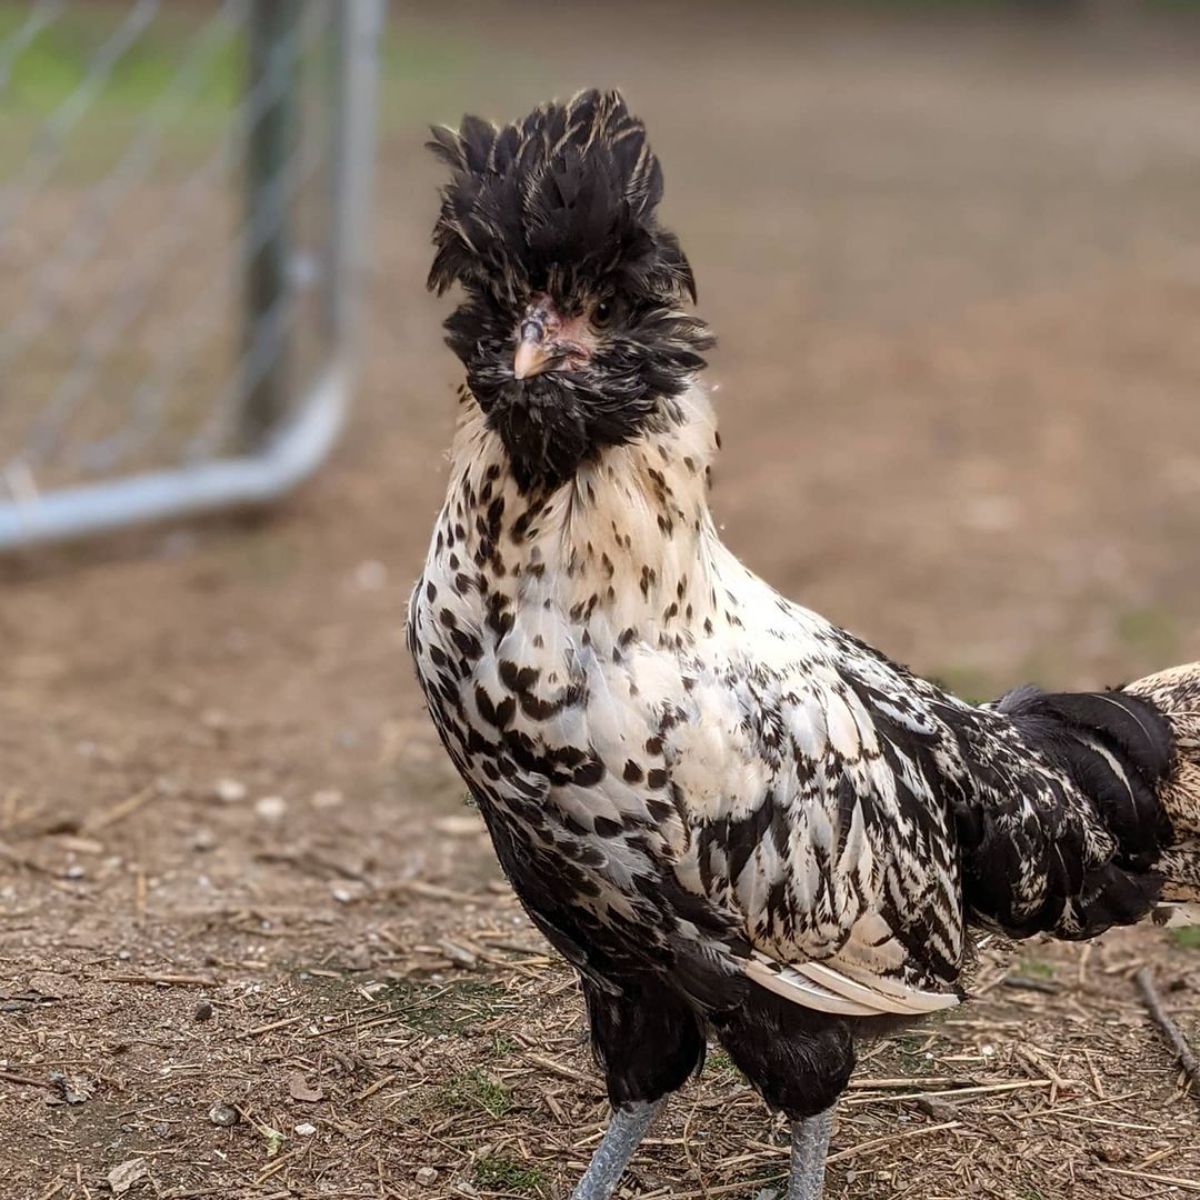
column 825, row 988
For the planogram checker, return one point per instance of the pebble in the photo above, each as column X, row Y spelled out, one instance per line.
column 224, row 1115
column 122, row 1178
column 204, row 840
column 204, row 1011
column 230, row 791
column 427, row 1176
column 271, row 808
column 305, row 1129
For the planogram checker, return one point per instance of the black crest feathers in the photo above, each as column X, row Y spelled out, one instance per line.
column 565, row 196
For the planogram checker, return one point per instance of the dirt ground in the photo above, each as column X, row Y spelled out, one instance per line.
column 955, row 269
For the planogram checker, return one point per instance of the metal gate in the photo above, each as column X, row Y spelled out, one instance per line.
column 180, row 247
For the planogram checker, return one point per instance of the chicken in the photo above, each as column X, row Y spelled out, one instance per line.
column 735, row 820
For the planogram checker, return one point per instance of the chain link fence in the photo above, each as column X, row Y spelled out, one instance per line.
column 180, row 237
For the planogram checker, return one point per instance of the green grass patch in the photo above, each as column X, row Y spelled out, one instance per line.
column 456, row 1008
column 476, row 1090
column 1034, row 968
column 912, row 1049
column 1187, row 938
column 718, row 1060
column 453, row 1008
column 65, row 54
column 503, row 1047
column 63, row 65
column 495, row 1173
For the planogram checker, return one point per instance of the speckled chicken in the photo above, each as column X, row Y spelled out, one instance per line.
column 736, row 820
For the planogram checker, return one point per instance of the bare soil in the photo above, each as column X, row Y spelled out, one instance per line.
column 955, row 268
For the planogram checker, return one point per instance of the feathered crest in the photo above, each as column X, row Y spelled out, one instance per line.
column 564, row 198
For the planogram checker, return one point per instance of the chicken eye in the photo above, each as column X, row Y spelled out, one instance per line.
column 604, row 314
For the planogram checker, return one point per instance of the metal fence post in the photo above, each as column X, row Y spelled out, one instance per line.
column 273, row 29
column 232, row 404
column 360, row 26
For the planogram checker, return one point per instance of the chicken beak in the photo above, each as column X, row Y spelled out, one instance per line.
column 532, row 357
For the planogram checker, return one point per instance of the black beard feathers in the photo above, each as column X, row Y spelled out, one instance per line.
column 564, row 202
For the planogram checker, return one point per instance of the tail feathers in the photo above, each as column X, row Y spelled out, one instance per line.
column 1133, row 756
column 1119, row 748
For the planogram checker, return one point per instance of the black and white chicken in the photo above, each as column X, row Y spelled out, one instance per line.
column 733, row 818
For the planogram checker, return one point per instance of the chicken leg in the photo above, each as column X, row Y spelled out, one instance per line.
column 810, row 1144
column 626, row 1128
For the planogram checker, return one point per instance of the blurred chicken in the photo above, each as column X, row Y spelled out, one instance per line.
column 732, row 817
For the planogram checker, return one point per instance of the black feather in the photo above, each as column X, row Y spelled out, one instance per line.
column 563, row 204
column 569, row 191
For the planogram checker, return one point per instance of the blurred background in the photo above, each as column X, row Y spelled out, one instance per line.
column 952, row 254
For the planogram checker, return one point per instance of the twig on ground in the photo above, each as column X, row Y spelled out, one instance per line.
column 1188, row 1185
column 22, row 1080
column 161, row 980
column 1171, row 1031
column 120, row 811
column 876, row 1143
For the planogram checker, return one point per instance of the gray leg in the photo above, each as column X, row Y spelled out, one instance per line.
column 626, row 1128
column 810, row 1144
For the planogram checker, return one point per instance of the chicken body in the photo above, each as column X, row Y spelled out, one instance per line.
column 717, row 804
column 733, row 818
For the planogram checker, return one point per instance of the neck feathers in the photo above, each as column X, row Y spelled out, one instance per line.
column 629, row 536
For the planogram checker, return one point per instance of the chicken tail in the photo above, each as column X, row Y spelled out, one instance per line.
column 1175, row 694
column 1130, row 846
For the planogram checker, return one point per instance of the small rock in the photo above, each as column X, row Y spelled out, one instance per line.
column 224, row 1115
column 203, row 840
column 271, row 808
column 427, row 1176
column 74, row 1089
column 75, row 871
column 459, row 955
column 123, row 1177
column 936, row 1109
column 300, row 1089
column 204, row 1011
column 230, row 791
column 305, row 1129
